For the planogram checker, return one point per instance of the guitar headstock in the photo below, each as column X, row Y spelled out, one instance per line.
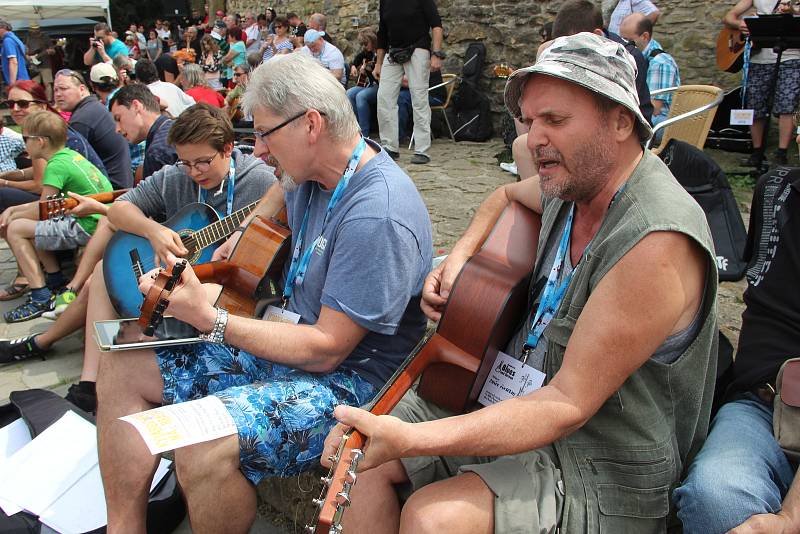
column 336, row 486
column 55, row 205
column 157, row 299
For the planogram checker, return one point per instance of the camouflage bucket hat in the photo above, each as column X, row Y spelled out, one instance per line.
column 593, row 62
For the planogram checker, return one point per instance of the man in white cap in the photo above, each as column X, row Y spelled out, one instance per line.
column 105, row 80
column 324, row 52
column 621, row 329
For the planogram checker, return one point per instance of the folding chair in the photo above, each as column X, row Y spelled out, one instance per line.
column 690, row 115
column 449, row 81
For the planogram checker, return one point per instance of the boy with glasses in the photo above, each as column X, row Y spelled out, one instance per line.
column 33, row 242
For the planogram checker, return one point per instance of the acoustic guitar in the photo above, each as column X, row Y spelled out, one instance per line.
column 200, row 230
column 251, row 273
column 730, row 49
column 59, row 204
column 486, row 304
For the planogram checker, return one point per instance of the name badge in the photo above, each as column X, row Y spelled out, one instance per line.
column 741, row 117
column 280, row 315
column 509, row 378
column 322, row 243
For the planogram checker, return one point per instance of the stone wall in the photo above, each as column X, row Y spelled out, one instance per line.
column 510, row 30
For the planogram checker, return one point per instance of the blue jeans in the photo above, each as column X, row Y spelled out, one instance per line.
column 404, row 111
column 363, row 100
column 740, row 471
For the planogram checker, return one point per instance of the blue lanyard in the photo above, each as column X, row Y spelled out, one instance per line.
column 552, row 294
column 203, row 193
column 299, row 265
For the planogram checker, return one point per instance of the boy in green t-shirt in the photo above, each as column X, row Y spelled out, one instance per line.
column 34, row 241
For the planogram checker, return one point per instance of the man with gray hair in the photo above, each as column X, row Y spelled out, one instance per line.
column 620, row 335
column 361, row 242
column 319, row 22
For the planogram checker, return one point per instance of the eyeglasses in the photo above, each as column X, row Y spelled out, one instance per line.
column 262, row 136
column 72, row 74
column 25, row 138
column 237, row 74
column 201, row 165
column 21, row 104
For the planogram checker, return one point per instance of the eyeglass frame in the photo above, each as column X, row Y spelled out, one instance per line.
column 186, row 166
column 25, row 138
column 262, row 136
column 11, row 104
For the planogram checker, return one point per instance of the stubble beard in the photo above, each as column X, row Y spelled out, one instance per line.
column 287, row 182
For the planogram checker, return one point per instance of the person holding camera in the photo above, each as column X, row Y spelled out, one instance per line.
column 104, row 47
column 405, row 48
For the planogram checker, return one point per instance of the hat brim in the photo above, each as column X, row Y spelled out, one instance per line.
column 588, row 80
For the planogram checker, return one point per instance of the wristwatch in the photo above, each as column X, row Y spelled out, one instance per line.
column 217, row 334
column 439, row 54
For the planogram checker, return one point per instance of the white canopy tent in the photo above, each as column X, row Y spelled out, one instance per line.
column 31, row 10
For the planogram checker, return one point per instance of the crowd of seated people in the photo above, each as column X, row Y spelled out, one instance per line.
column 158, row 115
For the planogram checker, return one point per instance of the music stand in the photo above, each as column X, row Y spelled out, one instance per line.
column 779, row 32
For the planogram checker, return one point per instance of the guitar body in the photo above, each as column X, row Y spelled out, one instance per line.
column 122, row 283
column 730, row 50
column 486, row 305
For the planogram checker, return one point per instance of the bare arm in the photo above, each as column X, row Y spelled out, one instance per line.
column 733, row 18
column 128, row 217
column 784, row 522
column 626, row 318
column 13, row 67
column 88, row 56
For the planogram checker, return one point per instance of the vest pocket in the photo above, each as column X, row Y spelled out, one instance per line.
column 624, row 509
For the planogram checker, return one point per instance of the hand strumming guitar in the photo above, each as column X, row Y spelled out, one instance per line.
column 165, row 242
column 438, row 283
column 188, row 301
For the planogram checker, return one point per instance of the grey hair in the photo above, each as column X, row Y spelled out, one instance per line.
column 292, row 83
column 193, row 74
column 321, row 20
column 122, row 61
column 4, row 24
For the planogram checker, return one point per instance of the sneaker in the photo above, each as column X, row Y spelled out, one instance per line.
column 83, row 395
column 753, row 160
column 64, row 298
column 510, row 167
column 31, row 309
column 16, row 350
column 420, row 159
column 392, row 154
column 781, row 158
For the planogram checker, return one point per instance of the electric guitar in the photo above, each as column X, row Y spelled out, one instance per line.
column 58, row 204
column 487, row 302
column 252, row 272
column 200, row 230
column 730, row 50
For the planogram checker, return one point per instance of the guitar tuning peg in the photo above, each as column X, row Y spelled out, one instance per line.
column 332, row 459
column 318, row 502
column 350, row 476
column 309, row 529
column 335, row 529
column 356, row 454
column 343, row 498
column 326, row 481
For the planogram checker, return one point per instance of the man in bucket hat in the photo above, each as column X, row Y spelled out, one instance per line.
column 621, row 329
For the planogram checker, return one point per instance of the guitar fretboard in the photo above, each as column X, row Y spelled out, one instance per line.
column 221, row 229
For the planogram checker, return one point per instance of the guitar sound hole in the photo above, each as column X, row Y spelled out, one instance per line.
column 186, row 236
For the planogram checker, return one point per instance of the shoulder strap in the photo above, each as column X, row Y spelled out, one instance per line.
column 654, row 52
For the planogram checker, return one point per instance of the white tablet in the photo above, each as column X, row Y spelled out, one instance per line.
column 126, row 334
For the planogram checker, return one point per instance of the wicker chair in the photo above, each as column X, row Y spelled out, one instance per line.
column 690, row 115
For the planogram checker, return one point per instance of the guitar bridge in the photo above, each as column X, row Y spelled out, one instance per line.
column 136, row 263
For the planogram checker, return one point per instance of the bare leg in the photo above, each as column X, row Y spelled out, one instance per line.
column 20, row 239
column 48, row 259
column 99, row 308
column 375, row 508
column 219, row 497
column 523, row 157
column 785, row 130
column 459, row 504
column 757, row 132
column 92, row 254
column 129, row 382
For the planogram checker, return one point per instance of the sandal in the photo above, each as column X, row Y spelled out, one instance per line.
column 13, row 290
column 30, row 310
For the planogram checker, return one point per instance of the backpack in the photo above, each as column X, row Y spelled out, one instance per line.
column 706, row 182
column 40, row 409
column 470, row 112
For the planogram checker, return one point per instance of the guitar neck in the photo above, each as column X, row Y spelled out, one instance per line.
column 60, row 205
column 222, row 228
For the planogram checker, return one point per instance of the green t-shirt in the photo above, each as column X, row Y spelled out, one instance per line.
column 67, row 171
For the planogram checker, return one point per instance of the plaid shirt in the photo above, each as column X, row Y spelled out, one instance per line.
column 661, row 73
column 10, row 148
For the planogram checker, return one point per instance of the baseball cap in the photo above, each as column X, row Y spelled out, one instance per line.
column 103, row 73
column 591, row 61
column 219, row 24
column 312, row 35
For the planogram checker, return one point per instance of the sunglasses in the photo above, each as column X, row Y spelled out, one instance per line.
column 21, row 104
column 72, row 74
column 25, row 138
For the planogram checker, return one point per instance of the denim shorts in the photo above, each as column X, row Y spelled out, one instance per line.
column 61, row 233
column 282, row 414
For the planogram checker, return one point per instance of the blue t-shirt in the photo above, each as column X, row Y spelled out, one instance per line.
column 377, row 255
column 113, row 50
column 13, row 47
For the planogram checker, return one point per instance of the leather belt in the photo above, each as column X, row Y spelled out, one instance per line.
column 765, row 392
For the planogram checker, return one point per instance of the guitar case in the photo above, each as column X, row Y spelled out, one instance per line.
column 470, row 111
column 41, row 408
column 722, row 135
column 706, row 182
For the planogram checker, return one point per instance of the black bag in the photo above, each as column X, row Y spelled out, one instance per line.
column 706, row 182
column 40, row 409
column 401, row 55
column 470, row 113
column 473, row 124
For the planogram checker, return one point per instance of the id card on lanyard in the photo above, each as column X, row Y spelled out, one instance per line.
column 299, row 263
column 202, row 194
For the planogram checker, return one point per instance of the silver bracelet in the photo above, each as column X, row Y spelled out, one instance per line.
column 217, row 334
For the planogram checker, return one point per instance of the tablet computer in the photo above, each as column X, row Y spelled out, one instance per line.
column 126, row 334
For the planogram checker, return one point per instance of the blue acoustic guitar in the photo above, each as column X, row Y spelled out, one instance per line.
column 128, row 256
